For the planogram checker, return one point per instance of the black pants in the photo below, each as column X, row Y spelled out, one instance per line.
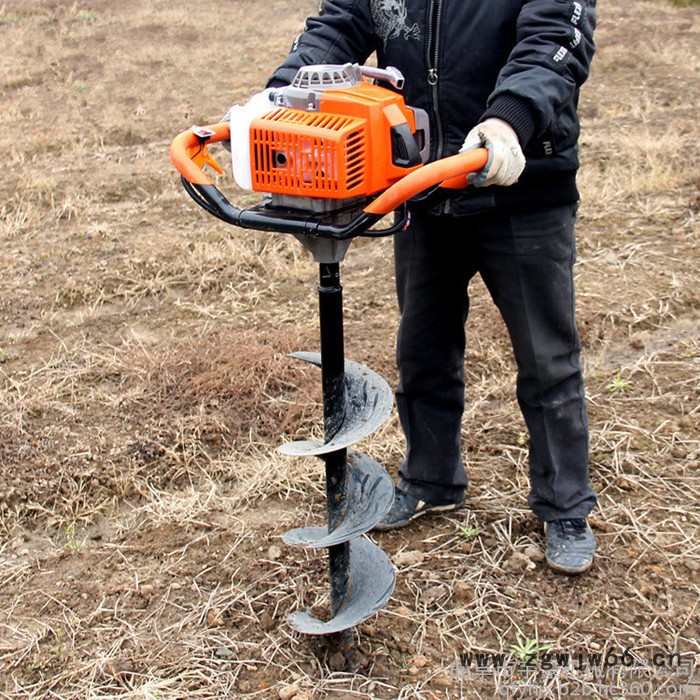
column 526, row 261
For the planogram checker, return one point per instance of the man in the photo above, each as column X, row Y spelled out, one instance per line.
column 503, row 74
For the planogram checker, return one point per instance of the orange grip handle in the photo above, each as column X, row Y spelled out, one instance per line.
column 188, row 151
column 449, row 172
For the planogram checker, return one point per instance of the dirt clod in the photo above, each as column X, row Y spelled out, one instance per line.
column 534, row 553
column 289, row 692
column 463, row 592
column 519, row 563
column 409, row 558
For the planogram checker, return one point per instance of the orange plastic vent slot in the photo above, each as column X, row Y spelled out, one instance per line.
column 309, row 154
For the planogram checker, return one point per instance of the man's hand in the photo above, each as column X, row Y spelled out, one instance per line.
column 506, row 160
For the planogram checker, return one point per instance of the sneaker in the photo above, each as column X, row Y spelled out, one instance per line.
column 570, row 545
column 406, row 508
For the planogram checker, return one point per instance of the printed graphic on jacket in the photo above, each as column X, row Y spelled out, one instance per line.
column 390, row 20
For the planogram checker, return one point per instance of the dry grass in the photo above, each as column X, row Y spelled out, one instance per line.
column 144, row 387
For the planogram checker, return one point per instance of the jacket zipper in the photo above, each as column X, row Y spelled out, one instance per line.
column 432, row 49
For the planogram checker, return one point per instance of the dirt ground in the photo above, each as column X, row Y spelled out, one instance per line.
column 145, row 387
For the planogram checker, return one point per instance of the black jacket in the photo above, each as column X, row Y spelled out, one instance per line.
column 465, row 60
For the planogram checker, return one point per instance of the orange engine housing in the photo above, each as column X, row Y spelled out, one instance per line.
column 346, row 149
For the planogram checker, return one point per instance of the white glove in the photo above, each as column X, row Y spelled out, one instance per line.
column 506, row 160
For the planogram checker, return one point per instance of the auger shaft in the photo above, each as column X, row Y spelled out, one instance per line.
column 359, row 492
column 330, row 296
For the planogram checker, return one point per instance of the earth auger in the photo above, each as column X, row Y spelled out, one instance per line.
column 334, row 154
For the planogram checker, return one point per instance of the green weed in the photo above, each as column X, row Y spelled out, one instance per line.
column 527, row 649
column 618, row 385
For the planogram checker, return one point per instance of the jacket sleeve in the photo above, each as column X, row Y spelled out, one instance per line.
column 342, row 32
column 548, row 64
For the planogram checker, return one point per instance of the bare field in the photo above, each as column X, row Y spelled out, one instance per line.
column 145, row 387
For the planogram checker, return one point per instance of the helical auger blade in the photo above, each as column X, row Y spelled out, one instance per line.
column 371, row 582
column 369, row 400
column 370, row 491
column 370, row 494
